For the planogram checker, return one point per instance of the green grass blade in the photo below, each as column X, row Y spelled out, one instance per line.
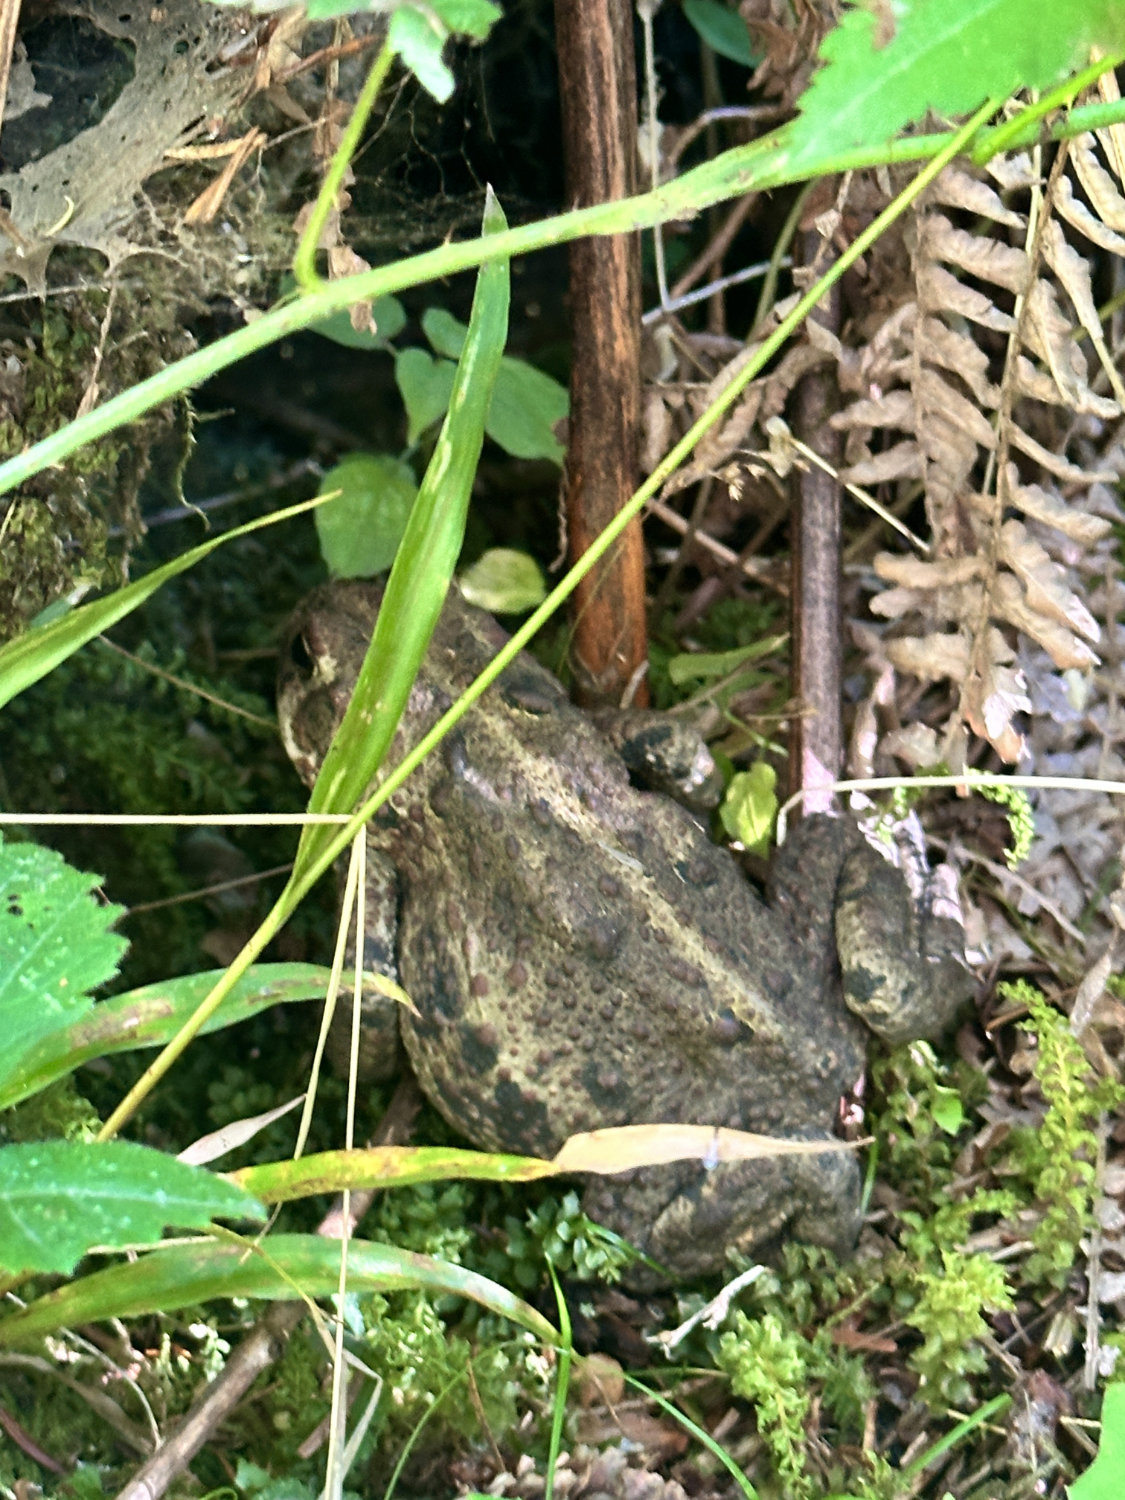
column 31, row 656
column 423, row 567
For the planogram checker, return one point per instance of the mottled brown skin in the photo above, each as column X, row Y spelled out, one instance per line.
column 581, row 954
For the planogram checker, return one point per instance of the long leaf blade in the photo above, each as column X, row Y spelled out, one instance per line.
column 282, row 1267
column 423, row 568
column 32, row 655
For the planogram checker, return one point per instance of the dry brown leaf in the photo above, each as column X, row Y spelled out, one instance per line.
column 1059, row 466
column 954, row 351
column 1100, row 186
column 1075, row 212
column 1036, row 383
column 1052, row 510
column 903, row 461
column 990, row 260
column 894, row 409
column 925, row 573
column 626, row 1147
column 939, row 291
column 1063, row 646
column 958, row 189
column 1045, row 582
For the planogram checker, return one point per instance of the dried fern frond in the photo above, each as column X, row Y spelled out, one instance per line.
column 980, row 386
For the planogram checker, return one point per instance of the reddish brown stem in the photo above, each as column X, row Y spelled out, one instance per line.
column 598, row 86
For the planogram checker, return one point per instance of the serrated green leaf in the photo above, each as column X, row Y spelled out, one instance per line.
column 722, row 28
column 424, row 384
column 360, row 530
column 60, row 1198
column 504, row 581
column 55, row 946
column 749, row 806
column 282, row 1267
column 887, row 65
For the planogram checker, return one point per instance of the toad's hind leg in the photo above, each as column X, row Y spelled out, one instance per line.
column 686, row 1217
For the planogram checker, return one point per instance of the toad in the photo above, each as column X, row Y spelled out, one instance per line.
column 580, row 954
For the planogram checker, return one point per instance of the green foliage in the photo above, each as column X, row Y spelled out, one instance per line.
column 258, row 1484
column 722, row 29
column 573, row 1244
column 55, row 945
column 935, row 1286
column 105, row 732
column 767, row 1364
column 1021, row 818
column 1102, row 1480
column 30, row 657
column 1057, row 1158
column 784, row 1356
column 885, row 66
column 952, row 1299
column 408, row 1344
column 749, row 806
column 418, row 35
column 58, row 1198
column 504, row 581
column 526, row 404
column 431, row 1219
column 424, row 383
column 921, row 1106
column 360, row 530
column 387, row 313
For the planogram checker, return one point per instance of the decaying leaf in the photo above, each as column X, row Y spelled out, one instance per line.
column 84, row 192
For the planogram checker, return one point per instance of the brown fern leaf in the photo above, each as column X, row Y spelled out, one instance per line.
column 986, row 385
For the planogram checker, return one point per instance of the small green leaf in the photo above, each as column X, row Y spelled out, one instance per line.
column 948, row 1110
column 424, row 384
column 418, row 40
column 55, row 946
column 526, row 403
column 1102, row 1480
column 60, row 1198
column 360, row 530
column 474, row 18
column 390, row 320
column 722, row 28
column 504, row 581
column 445, row 333
column 749, row 806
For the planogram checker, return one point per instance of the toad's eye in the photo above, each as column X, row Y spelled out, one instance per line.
column 300, row 654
